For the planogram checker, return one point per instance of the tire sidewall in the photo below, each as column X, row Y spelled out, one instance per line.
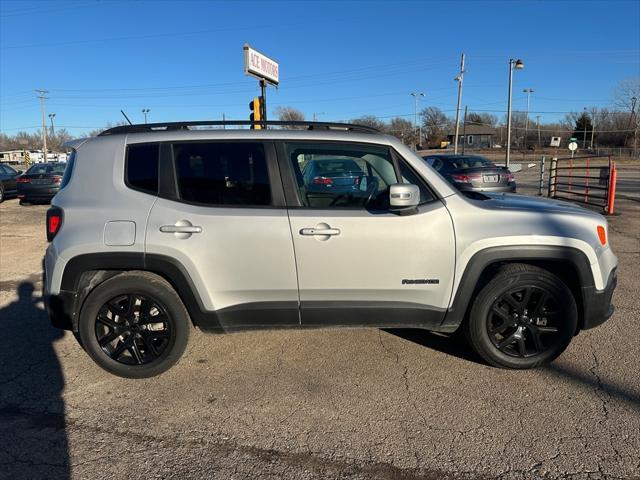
column 132, row 284
column 485, row 300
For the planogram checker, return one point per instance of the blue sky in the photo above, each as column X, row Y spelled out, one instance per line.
column 339, row 60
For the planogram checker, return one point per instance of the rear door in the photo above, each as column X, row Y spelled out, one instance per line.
column 221, row 215
column 358, row 263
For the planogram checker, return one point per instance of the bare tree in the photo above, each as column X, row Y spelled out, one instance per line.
column 403, row 129
column 625, row 91
column 370, row 121
column 289, row 114
column 435, row 124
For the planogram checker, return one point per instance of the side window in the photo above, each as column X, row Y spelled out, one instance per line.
column 222, row 173
column 141, row 169
column 342, row 176
column 409, row 176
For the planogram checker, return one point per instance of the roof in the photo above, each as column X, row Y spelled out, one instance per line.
column 194, row 125
column 474, row 129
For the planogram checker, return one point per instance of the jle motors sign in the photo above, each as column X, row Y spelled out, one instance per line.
column 260, row 66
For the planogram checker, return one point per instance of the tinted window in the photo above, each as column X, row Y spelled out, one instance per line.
column 342, row 176
column 222, row 173
column 69, row 170
column 142, row 167
column 47, row 169
column 468, row 162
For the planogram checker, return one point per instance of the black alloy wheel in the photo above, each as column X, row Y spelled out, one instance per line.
column 134, row 325
column 523, row 317
column 133, row 329
column 524, row 322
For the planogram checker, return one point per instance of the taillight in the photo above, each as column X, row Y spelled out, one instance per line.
column 460, row 178
column 54, row 222
column 323, row 181
column 56, row 179
column 510, row 177
column 466, row 178
column 23, row 180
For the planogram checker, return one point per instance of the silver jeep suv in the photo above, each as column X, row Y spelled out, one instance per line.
column 161, row 226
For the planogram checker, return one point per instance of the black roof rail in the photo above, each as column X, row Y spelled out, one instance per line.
column 168, row 126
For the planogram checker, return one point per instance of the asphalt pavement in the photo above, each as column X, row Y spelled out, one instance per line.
column 347, row 404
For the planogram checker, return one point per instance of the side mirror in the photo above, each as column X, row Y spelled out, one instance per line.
column 403, row 196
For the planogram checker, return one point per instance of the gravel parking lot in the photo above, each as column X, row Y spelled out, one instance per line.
column 346, row 403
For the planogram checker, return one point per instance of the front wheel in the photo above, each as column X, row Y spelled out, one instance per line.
column 134, row 325
column 523, row 318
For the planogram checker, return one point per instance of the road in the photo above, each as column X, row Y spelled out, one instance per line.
column 348, row 404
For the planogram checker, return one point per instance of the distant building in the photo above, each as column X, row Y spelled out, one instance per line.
column 34, row 156
column 475, row 136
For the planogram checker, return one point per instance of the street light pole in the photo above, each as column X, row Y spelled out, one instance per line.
column 51, row 117
column 593, row 127
column 459, row 79
column 415, row 96
column 538, row 124
column 145, row 111
column 513, row 64
column 528, row 91
column 41, row 96
column 584, row 133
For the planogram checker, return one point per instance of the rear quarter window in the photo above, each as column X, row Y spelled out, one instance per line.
column 141, row 167
column 66, row 178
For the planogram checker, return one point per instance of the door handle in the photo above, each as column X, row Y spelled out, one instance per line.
column 320, row 231
column 180, row 229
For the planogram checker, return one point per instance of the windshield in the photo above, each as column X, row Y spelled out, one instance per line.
column 469, row 162
column 47, row 169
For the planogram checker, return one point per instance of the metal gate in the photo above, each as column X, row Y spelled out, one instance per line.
column 590, row 180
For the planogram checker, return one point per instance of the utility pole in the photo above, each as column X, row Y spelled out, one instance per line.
column 459, row 79
column 415, row 96
column 528, row 91
column 538, row 123
column 584, row 133
column 464, row 129
column 51, row 117
column 315, row 115
column 514, row 64
column 593, row 127
column 41, row 96
column 634, row 117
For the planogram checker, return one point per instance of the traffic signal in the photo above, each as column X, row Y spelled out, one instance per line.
column 255, row 106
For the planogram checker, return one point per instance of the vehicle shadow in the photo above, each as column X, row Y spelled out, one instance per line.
column 32, row 422
column 456, row 346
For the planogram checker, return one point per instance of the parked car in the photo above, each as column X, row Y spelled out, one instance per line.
column 8, row 176
column 158, row 227
column 40, row 182
column 473, row 173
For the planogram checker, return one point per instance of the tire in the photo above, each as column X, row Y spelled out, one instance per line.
column 523, row 318
column 1, row 193
column 117, row 330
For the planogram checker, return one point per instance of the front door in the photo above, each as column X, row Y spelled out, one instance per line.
column 358, row 263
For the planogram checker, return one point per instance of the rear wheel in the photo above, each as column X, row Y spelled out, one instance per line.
column 134, row 325
column 523, row 318
column 1, row 193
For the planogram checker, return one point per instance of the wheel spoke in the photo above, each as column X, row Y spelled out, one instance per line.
column 152, row 319
column 522, row 348
column 526, row 298
column 135, row 351
column 107, row 321
column 548, row 329
column 542, row 301
column 535, row 337
column 507, row 341
column 110, row 337
column 148, row 343
column 119, row 350
column 511, row 301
